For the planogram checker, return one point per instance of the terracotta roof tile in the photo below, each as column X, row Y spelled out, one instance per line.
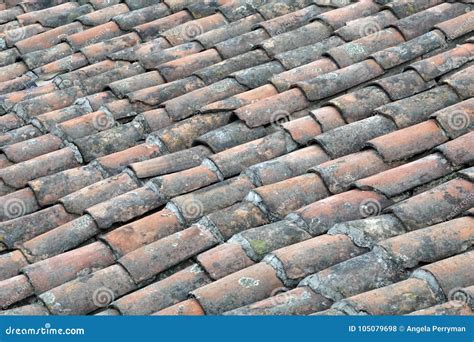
column 239, row 100
column 364, row 26
column 405, row 177
column 223, row 260
column 238, row 289
column 403, row 85
column 27, row 310
column 116, row 139
column 141, row 15
column 309, row 34
column 449, row 273
column 258, row 242
column 328, row 118
column 284, row 22
column 234, row 160
column 153, row 28
column 409, row 141
column 48, row 38
column 451, row 308
column 425, row 245
column 340, row 173
column 84, row 294
column 102, row 16
column 60, row 239
column 94, row 35
column 23, row 228
column 316, row 254
column 241, row 44
column 407, row 112
column 161, row 93
column 212, row 198
column 361, row 48
column 98, row 192
column 148, row 229
column 236, row 218
column 14, row 289
column 299, row 301
column 462, row 82
column 67, row 266
column 137, row 202
column 185, row 105
column 320, row 216
column 306, row 54
column 56, row 16
column 360, row 132
column 410, row 50
column 440, row 64
column 396, row 299
column 170, row 250
column 338, row 17
column 189, row 307
column 459, row 151
column 281, row 198
column 357, row 275
column 337, row 81
column 406, row 8
column 290, row 165
column 302, row 130
column 273, row 108
column 436, row 205
column 458, row 26
column 423, row 21
column 11, row 264
column 11, row 37
column 285, row 80
column 163, row 293
column 18, row 175
column 367, row 232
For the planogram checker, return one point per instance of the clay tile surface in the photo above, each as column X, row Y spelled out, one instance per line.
column 235, row 157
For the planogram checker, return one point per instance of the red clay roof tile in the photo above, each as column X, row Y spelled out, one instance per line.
column 60, row 239
column 337, row 81
column 460, row 150
column 167, row 252
column 238, row 289
column 340, row 173
column 299, row 301
column 409, row 141
column 68, row 266
column 405, row 177
column 146, row 230
column 397, row 299
column 163, row 293
column 441, row 203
